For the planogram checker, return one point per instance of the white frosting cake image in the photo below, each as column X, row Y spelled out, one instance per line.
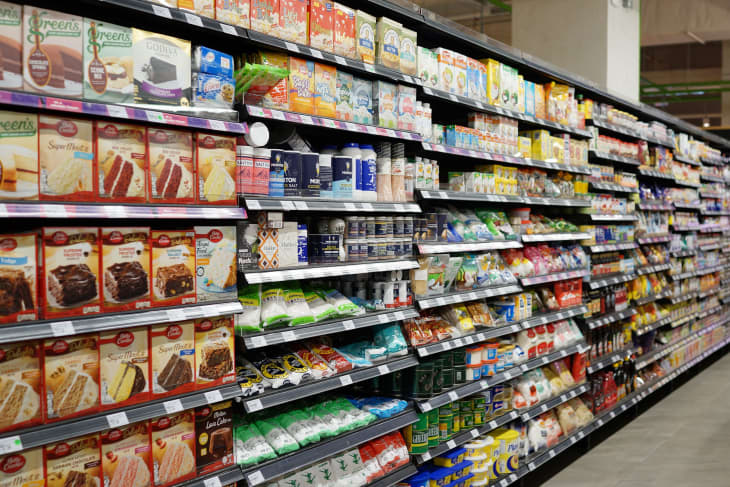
column 71, row 176
column 219, row 185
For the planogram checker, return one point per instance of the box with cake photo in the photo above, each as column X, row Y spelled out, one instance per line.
column 52, row 45
column 172, row 166
column 214, row 351
column 216, row 156
column 124, row 358
column 11, row 46
column 66, row 159
column 18, row 156
column 74, row 463
column 108, row 63
column 215, row 263
column 161, row 69
column 214, row 434
column 18, row 277
column 21, row 385
column 173, row 265
column 23, row 469
column 173, row 448
column 125, row 264
column 122, row 162
column 173, row 358
column 71, row 377
column 126, row 456
column 71, row 266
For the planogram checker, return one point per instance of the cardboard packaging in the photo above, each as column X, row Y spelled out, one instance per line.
column 214, row 351
column 322, row 25
column 385, row 97
column 173, row 448
column 408, row 51
column 74, row 462
column 126, row 456
column 125, row 367
column 125, row 264
column 215, row 262
column 108, row 62
column 293, row 21
column 161, row 69
column 234, row 12
column 19, row 156
column 205, row 8
column 365, row 28
column 66, row 157
column 343, row 109
column 171, row 166
column 213, row 91
column 11, row 41
column 407, row 108
column 447, row 76
column 265, row 16
column 301, row 85
column 172, row 353
column 276, row 97
column 214, row 437
column 19, row 278
column 428, row 68
column 387, row 43
column 173, row 264
column 345, row 44
column 460, row 74
column 494, row 70
column 362, row 101
column 22, row 380
column 122, row 162
column 24, row 468
column 216, row 157
column 325, row 90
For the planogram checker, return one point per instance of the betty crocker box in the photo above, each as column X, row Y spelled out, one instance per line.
column 125, row 367
column 125, row 456
column 121, row 162
column 74, row 462
column 173, row 266
column 18, row 277
column 22, row 381
column 24, row 469
column 66, row 159
column 125, row 264
column 171, row 166
column 172, row 354
column 214, row 351
column 214, row 435
column 173, row 448
column 216, row 156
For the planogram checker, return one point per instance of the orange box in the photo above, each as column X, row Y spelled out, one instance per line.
column 265, row 16
column 322, row 25
column 540, row 101
column 301, row 85
column 293, row 21
column 325, row 89
column 345, row 31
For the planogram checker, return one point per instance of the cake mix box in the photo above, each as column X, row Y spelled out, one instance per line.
column 322, row 25
column 18, row 277
column 216, row 158
column 205, row 8
column 385, row 104
column 11, row 43
column 161, row 69
column 293, row 21
column 362, row 101
column 460, row 74
column 23, row 469
column 408, row 51
column 428, row 67
column 173, row 265
column 345, row 44
column 540, row 111
column 325, row 90
column 277, row 96
column 19, row 155
column 172, row 353
column 365, row 28
column 214, row 434
column 173, row 448
column 301, row 85
column 265, row 16
column 71, row 284
column 52, row 46
column 215, row 263
column 387, row 43
column 66, row 159
column 494, row 73
column 171, row 166
column 446, row 70
column 214, row 351
column 122, row 162
column 343, row 108
column 22, row 384
column 126, row 456
column 71, row 379
column 75, row 462
column 234, row 12
column 108, row 62
column 125, row 367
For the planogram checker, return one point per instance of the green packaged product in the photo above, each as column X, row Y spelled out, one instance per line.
column 446, row 423
column 466, row 420
column 276, row 436
column 433, row 428
column 298, row 426
column 250, row 319
column 296, row 307
column 457, row 417
column 421, row 380
column 250, row 445
column 273, row 307
column 321, row 309
column 416, row 435
column 438, row 376
column 262, row 77
column 448, row 377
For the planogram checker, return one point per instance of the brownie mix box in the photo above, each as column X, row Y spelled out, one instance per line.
column 173, row 448
column 125, row 264
column 126, row 456
column 18, row 277
column 161, row 69
column 108, row 62
column 21, row 384
column 23, row 469
column 52, row 46
column 215, row 263
column 11, row 46
column 18, row 156
column 214, row 434
column 74, row 463
column 66, row 159
column 214, row 351
column 121, row 162
column 293, row 21
column 124, row 358
column 70, row 281
column 71, row 379
column 216, row 157
column 173, row 265
column 171, row 166
column 172, row 354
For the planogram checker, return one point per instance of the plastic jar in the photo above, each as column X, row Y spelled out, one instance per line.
column 352, row 149
column 368, row 163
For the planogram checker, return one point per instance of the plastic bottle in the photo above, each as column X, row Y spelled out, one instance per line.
column 383, row 176
column 369, row 173
column 352, row 149
column 397, row 172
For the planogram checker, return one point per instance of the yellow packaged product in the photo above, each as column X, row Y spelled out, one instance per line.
column 557, row 149
column 540, row 101
column 493, row 76
column 524, row 146
column 541, row 148
column 301, row 85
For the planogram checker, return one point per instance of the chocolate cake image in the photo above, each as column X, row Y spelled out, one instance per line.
column 79, row 479
column 128, row 381
column 126, row 280
column 72, row 284
column 66, row 65
column 15, row 292
column 177, row 371
column 131, row 471
column 174, row 280
column 124, row 178
column 221, row 442
column 18, row 402
column 174, row 181
column 217, row 361
column 159, row 71
column 177, row 461
column 76, row 392
column 10, row 53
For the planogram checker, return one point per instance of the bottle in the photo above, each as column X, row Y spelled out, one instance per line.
column 369, row 173
column 397, row 172
column 385, row 193
column 351, row 149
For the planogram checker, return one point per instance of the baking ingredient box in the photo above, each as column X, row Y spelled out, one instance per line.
column 173, row 448
column 108, row 62
column 214, row 435
column 19, row 156
column 126, row 456
column 125, row 264
column 74, row 462
column 172, row 353
column 122, row 162
column 66, row 158
column 11, row 54
column 214, row 351
column 215, row 262
column 173, row 263
column 21, row 372
column 18, row 277
column 161, row 69
column 171, row 166
column 125, row 366
column 216, row 157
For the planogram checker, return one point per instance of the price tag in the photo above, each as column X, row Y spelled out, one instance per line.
column 116, row 420
column 483, row 384
column 458, row 343
column 291, row 46
column 255, row 478
column 348, row 325
column 175, row 315
column 513, row 415
column 612, row 414
column 289, row 336
column 453, row 395
column 62, row 328
column 427, row 90
column 258, row 341
column 228, row 29
column 161, row 11
column 345, row 380
column 254, row 405
column 512, row 477
column 531, row 466
column 153, row 116
column 316, row 53
column 116, row 110
column 492, row 424
column 383, row 370
column 543, row 408
column 350, row 206
column 479, row 105
column 426, row 457
column 369, row 67
column 451, row 444
column 54, row 211
column 426, row 407
column 573, row 440
column 453, row 98
column 599, row 423
column 306, row 119
column 340, row 60
column 366, row 206
column 173, row 406
column 507, row 375
column 383, row 318
column 213, row 396
column 544, row 360
column 10, row 444
column 287, row 205
column 400, row 315
column 469, row 340
column 212, row 482
column 371, row 130
column 217, row 125
column 440, row 301
column 193, row 19
column 276, row 114
column 551, row 453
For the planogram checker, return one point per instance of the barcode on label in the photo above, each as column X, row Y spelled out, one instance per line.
column 383, row 318
column 254, row 405
column 258, row 341
column 173, row 406
column 213, row 396
column 217, row 125
column 474, row 433
column 117, row 419
column 62, row 328
column 117, row 111
column 345, row 380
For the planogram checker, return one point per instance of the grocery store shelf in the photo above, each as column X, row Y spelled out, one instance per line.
column 605, row 156
column 712, row 228
column 653, row 297
column 437, row 248
column 613, row 218
column 566, row 396
column 653, row 326
column 618, row 129
column 555, row 237
column 708, row 293
column 312, row 271
column 394, row 477
column 613, row 187
column 285, row 395
column 329, row 123
column 710, row 177
column 558, row 276
column 685, row 160
column 519, row 161
column 655, row 206
column 681, row 205
column 654, row 239
column 227, row 476
column 427, row 302
column 689, row 184
column 709, row 270
column 653, row 268
column 610, row 359
column 50, row 329
column 710, row 194
column 315, row 204
column 683, row 253
column 611, row 247
column 708, row 312
column 119, row 212
column 498, row 198
column 303, row 332
column 684, row 297
column 715, row 246
column 647, row 171
column 611, row 279
column 714, row 212
column 97, row 109
column 682, row 275
column 712, row 162
column 685, row 228
column 605, row 319
column 303, row 457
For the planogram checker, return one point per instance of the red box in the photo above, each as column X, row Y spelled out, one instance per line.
column 125, row 269
column 121, row 161
column 172, row 174
column 322, row 25
column 216, row 159
column 293, row 21
column 213, row 341
column 22, row 371
column 344, row 39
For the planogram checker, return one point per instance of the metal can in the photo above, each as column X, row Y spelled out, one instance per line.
column 352, row 228
column 408, row 226
column 390, row 244
column 372, row 246
column 370, row 227
column 398, row 227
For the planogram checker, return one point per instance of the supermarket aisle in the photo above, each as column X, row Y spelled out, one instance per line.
column 682, row 441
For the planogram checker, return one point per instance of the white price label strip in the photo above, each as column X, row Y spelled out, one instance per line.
column 62, row 328
column 10, row 444
column 383, row 370
column 340, row 60
column 175, row 315
column 289, row 336
column 453, row 395
column 254, row 405
column 117, row 419
column 212, row 482
column 228, row 29
column 258, row 341
column 213, row 396
column 383, row 318
column 291, row 47
column 193, row 19
column 345, row 380
column 173, row 406
column 474, row 433
column 255, row 478
column 348, row 325
column 117, row 111
column 217, row 125
column 161, row 11
column 451, row 444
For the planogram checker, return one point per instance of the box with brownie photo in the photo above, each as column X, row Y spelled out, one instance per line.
column 74, row 463
column 214, row 437
column 18, row 277
column 125, row 263
column 214, row 351
column 173, row 265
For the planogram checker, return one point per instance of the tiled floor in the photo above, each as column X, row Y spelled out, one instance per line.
column 683, row 441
